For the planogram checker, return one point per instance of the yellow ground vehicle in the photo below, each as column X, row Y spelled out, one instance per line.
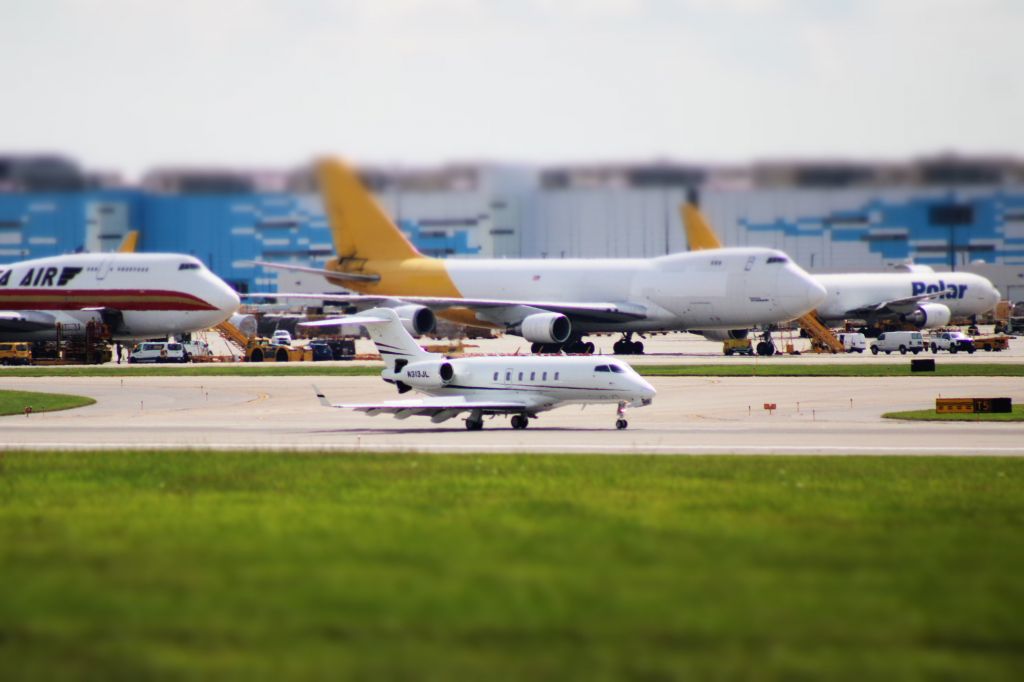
column 259, row 349
column 992, row 343
column 15, row 353
column 737, row 347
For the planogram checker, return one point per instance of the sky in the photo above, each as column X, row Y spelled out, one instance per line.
column 128, row 85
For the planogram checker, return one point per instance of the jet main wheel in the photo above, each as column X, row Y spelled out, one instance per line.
column 620, row 424
column 474, row 424
column 638, row 348
column 535, row 348
column 519, row 422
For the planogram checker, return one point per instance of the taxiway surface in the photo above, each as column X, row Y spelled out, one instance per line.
column 691, row 415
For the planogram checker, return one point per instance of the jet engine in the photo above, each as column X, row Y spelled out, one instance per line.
column 928, row 315
column 545, row 328
column 417, row 319
column 427, row 374
column 723, row 334
column 244, row 323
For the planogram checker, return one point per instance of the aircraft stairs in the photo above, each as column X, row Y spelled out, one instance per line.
column 232, row 335
column 822, row 338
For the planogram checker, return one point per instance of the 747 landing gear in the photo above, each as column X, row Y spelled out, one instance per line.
column 520, row 421
column 576, row 346
column 766, row 346
column 626, row 346
column 621, row 422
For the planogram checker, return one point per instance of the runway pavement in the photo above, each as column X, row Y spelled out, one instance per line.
column 691, row 415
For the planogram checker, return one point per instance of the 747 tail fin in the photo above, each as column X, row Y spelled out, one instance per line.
column 361, row 228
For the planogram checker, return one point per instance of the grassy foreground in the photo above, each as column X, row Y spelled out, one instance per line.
column 198, row 564
column 1017, row 415
column 739, row 369
column 14, row 402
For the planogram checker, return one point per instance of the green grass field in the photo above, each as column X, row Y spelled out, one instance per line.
column 198, row 564
column 1017, row 415
column 770, row 369
column 14, row 402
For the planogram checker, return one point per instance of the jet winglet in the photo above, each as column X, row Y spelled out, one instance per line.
column 320, row 395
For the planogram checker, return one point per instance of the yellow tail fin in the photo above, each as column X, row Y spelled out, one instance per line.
column 361, row 228
column 699, row 234
column 129, row 243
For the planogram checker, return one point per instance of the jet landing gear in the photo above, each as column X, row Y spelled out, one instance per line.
column 475, row 421
column 620, row 412
column 520, row 422
column 626, row 346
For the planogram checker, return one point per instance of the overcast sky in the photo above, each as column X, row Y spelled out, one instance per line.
column 129, row 84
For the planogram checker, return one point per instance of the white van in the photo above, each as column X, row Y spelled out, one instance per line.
column 853, row 342
column 887, row 342
column 158, row 351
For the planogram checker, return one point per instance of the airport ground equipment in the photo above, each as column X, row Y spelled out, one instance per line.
column 260, row 349
column 737, row 347
column 823, row 340
column 992, row 343
column 521, row 386
column 92, row 348
column 15, row 353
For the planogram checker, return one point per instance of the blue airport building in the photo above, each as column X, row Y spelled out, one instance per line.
column 953, row 214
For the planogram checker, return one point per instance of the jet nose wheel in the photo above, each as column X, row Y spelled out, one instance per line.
column 474, row 424
column 519, row 422
column 620, row 424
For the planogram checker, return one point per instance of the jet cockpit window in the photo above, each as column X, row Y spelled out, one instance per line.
column 189, row 266
column 602, row 368
column 777, row 259
column 617, row 369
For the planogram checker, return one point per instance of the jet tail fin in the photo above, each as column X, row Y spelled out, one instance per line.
column 699, row 234
column 386, row 331
column 360, row 227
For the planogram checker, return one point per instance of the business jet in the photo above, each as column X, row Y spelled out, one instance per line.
column 551, row 303
column 521, row 385
column 136, row 295
column 917, row 296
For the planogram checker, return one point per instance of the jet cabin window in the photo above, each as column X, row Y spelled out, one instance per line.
column 189, row 266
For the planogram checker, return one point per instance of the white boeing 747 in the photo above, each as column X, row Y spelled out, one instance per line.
column 550, row 302
column 916, row 295
column 521, row 385
column 136, row 295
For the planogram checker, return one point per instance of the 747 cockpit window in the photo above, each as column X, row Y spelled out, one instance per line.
column 777, row 259
column 189, row 266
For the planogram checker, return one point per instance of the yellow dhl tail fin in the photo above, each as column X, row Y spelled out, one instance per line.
column 699, row 234
column 361, row 228
column 129, row 243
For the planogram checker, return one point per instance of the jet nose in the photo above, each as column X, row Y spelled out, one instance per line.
column 992, row 298
column 224, row 298
column 799, row 293
column 646, row 391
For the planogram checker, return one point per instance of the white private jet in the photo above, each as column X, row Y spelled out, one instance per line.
column 521, row 385
column 917, row 295
column 551, row 302
column 136, row 295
